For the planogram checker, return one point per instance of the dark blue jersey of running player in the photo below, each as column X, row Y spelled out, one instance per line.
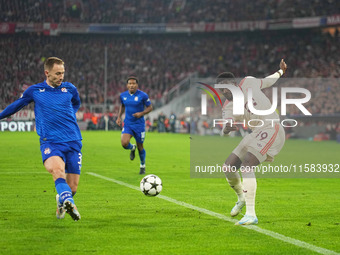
column 134, row 103
column 55, row 111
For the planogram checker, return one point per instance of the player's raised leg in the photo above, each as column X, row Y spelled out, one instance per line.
column 71, row 209
column 60, row 213
column 72, row 169
column 230, row 168
column 249, row 189
column 56, row 166
column 125, row 140
column 73, row 181
column 142, row 155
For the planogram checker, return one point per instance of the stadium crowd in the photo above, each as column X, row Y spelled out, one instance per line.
column 162, row 11
column 163, row 61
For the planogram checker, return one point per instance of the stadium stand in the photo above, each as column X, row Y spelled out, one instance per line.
column 162, row 11
column 163, row 61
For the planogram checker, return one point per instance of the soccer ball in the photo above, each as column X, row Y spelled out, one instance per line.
column 151, row 185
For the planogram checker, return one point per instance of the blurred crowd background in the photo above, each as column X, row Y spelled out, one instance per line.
column 162, row 61
column 161, row 11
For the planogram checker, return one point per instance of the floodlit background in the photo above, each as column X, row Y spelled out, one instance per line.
column 169, row 45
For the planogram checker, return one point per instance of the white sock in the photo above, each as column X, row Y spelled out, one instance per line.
column 249, row 189
column 234, row 180
column 238, row 188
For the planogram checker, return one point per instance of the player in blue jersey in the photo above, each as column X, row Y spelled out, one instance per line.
column 55, row 106
column 135, row 103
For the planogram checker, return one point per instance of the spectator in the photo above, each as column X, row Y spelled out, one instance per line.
column 91, row 125
column 172, row 123
column 161, row 124
column 148, row 125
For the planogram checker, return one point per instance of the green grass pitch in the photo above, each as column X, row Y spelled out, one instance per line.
column 120, row 220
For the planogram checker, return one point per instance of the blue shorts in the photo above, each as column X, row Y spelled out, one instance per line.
column 69, row 152
column 138, row 132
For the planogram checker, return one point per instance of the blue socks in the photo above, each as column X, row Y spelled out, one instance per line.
column 129, row 147
column 63, row 190
column 142, row 155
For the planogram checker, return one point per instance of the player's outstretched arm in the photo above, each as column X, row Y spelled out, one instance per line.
column 271, row 79
column 16, row 106
column 120, row 113
column 283, row 65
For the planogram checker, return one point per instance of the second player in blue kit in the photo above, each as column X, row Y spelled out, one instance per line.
column 135, row 103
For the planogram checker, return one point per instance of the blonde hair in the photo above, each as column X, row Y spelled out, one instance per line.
column 49, row 63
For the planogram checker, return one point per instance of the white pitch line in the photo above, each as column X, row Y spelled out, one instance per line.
column 272, row 234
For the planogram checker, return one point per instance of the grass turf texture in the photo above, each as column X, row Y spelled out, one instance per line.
column 120, row 220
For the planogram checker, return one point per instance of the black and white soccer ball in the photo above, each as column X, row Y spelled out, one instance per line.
column 151, row 185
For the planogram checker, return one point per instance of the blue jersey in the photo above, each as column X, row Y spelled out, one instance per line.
column 134, row 103
column 55, row 111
